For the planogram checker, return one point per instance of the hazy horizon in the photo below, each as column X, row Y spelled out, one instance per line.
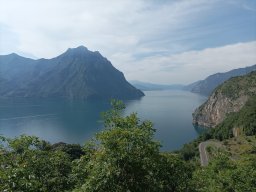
column 163, row 42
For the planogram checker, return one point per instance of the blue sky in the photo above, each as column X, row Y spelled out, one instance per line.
column 174, row 41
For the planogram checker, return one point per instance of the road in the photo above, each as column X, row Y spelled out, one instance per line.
column 203, row 154
column 204, row 158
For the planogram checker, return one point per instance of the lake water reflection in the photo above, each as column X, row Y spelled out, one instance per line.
column 77, row 121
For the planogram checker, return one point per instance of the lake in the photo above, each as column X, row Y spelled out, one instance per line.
column 77, row 121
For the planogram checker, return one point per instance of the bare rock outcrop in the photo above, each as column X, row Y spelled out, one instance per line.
column 229, row 97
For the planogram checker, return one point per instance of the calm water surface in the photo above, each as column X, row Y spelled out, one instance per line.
column 78, row 121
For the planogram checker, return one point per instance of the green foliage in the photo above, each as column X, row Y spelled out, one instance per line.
column 241, row 85
column 224, row 175
column 189, row 151
column 247, row 117
column 125, row 157
column 244, row 119
column 74, row 151
column 27, row 164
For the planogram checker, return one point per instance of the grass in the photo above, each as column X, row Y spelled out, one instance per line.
column 235, row 147
column 240, row 145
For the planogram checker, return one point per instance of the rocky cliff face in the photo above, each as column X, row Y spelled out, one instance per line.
column 76, row 74
column 229, row 97
column 216, row 108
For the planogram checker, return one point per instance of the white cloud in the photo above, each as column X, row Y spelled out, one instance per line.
column 193, row 65
column 48, row 27
column 144, row 39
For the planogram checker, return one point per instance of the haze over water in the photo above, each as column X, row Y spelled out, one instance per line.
column 78, row 121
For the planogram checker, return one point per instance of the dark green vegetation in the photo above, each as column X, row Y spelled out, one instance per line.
column 237, row 154
column 76, row 74
column 226, row 175
column 123, row 157
column 232, row 165
column 206, row 86
column 231, row 105
column 237, row 86
column 28, row 164
column 244, row 120
column 241, row 123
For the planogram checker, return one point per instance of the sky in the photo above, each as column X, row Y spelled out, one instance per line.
column 157, row 41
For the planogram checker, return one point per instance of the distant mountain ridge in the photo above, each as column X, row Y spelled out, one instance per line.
column 144, row 86
column 77, row 73
column 207, row 86
column 227, row 98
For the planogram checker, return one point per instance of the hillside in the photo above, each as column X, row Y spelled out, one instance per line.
column 206, row 86
column 229, row 97
column 77, row 73
column 122, row 157
column 241, row 122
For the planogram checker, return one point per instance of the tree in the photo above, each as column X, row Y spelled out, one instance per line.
column 28, row 164
column 224, row 175
column 125, row 157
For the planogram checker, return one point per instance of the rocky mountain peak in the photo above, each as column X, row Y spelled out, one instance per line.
column 76, row 74
column 78, row 51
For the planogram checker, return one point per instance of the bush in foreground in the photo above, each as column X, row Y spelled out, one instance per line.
column 123, row 157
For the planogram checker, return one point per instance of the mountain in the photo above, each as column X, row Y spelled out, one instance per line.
column 150, row 86
column 77, row 73
column 206, row 86
column 228, row 98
